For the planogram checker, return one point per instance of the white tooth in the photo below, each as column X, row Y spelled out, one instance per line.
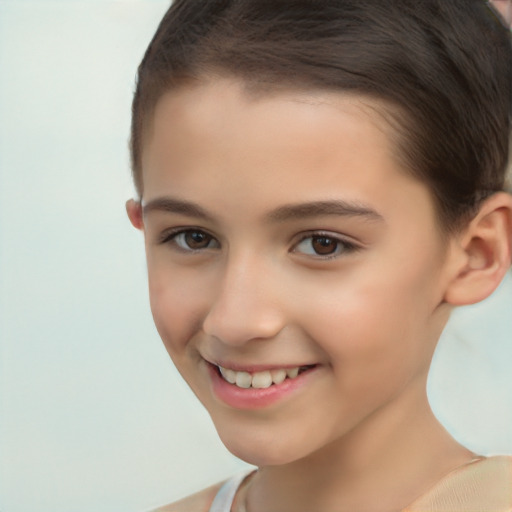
column 243, row 379
column 228, row 374
column 278, row 376
column 292, row 372
column 231, row 376
column 261, row 380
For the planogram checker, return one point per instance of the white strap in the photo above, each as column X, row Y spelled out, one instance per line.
column 224, row 498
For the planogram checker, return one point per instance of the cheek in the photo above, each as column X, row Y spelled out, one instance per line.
column 177, row 305
column 375, row 325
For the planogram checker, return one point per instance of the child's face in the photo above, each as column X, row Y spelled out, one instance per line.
column 280, row 233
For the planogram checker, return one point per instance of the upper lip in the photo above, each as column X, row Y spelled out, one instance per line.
column 253, row 368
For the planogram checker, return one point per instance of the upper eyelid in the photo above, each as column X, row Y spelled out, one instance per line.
column 301, row 235
column 169, row 235
column 327, row 234
column 174, row 231
column 351, row 245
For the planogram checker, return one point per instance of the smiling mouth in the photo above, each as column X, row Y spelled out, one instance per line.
column 263, row 379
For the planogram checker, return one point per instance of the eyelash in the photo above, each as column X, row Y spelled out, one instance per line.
column 343, row 246
column 170, row 237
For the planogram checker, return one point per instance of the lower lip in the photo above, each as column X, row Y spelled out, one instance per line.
column 254, row 398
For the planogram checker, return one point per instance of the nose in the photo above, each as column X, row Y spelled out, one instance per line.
column 245, row 304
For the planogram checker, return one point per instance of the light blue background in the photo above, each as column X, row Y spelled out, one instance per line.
column 93, row 417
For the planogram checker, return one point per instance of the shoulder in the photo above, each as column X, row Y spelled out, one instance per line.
column 200, row 501
column 484, row 484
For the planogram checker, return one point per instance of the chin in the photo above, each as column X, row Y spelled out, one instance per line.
column 264, row 450
column 259, row 457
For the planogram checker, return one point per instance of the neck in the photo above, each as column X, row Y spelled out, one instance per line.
column 385, row 463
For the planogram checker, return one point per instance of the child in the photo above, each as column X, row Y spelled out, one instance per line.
column 320, row 183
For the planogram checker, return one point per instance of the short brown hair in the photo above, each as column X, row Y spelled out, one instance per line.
column 444, row 65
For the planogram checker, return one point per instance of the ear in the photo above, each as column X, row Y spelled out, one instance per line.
column 134, row 211
column 482, row 252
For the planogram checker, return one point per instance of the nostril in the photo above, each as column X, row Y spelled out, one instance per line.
column 238, row 326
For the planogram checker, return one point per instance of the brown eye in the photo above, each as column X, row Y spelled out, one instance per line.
column 323, row 245
column 197, row 240
column 191, row 240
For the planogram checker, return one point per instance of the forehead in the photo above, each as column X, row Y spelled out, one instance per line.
column 216, row 141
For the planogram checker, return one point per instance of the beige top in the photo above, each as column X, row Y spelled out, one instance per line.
column 483, row 485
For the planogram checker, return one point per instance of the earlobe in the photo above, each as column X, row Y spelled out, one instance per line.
column 134, row 211
column 483, row 252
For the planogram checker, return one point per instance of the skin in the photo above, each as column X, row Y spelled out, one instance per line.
column 255, row 291
column 505, row 9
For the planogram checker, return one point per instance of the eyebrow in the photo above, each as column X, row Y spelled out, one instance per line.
column 323, row 208
column 171, row 205
column 281, row 214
